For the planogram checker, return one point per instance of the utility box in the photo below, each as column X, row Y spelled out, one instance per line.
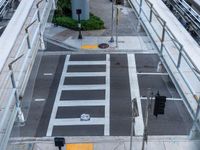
column 84, row 6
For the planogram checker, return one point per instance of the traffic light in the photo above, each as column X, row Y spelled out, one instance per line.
column 159, row 105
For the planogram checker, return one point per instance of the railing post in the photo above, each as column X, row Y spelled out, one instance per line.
column 54, row 4
column 179, row 56
column 26, row 30
column 19, row 111
column 139, row 16
column 151, row 12
column 163, row 36
column 38, row 11
column 194, row 132
column 42, row 45
column 28, row 39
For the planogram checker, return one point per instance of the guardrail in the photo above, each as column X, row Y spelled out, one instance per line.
column 169, row 47
column 187, row 16
column 16, row 70
column 3, row 7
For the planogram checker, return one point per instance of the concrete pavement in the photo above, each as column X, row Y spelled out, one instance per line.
column 110, row 143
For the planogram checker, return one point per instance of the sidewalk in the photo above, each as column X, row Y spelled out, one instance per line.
column 125, row 43
column 126, row 27
column 114, row 143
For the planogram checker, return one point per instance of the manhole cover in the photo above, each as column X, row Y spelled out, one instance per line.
column 103, row 45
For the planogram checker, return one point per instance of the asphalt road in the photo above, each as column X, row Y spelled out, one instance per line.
column 48, row 86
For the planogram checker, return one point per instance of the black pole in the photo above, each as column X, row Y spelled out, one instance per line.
column 78, row 11
column 60, row 148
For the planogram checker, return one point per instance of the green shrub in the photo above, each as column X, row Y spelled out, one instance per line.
column 62, row 17
column 94, row 23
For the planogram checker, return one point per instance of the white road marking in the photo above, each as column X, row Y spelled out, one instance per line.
column 73, row 103
column 151, row 73
column 170, row 99
column 40, row 99
column 87, row 63
column 48, row 74
column 107, row 97
column 58, row 103
column 84, row 74
column 77, row 121
column 83, row 87
column 134, row 89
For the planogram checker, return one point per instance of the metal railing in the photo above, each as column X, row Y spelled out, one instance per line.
column 14, row 76
column 4, row 7
column 170, row 48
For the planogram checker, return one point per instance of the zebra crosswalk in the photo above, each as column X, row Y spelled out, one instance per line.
column 83, row 78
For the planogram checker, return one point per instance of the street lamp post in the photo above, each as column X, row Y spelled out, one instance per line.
column 112, row 20
column 78, row 12
column 117, row 23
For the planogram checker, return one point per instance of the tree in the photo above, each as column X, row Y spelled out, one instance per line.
column 63, row 7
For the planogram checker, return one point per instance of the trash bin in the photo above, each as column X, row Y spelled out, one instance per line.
column 84, row 6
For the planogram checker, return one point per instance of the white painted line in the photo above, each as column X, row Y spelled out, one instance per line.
column 152, row 73
column 77, row 121
column 84, row 87
column 48, row 74
column 107, row 97
column 87, row 63
column 40, row 99
column 170, row 99
column 84, row 74
column 81, row 103
column 134, row 89
column 57, row 99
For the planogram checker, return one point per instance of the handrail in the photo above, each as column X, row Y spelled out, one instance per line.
column 24, row 52
column 173, row 39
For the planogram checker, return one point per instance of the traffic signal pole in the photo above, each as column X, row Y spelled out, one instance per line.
column 135, row 113
column 132, row 125
column 148, row 108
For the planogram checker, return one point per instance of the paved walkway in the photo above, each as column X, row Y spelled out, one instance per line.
column 112, row 143
column 127, row 23
column 128, row 43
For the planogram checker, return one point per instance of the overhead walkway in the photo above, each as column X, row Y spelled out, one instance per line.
column 177, row 49
column 19, row 44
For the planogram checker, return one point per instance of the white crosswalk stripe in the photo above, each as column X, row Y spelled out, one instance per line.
column 82, row 102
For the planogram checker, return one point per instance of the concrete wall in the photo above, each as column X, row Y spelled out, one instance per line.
column 84, row 6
